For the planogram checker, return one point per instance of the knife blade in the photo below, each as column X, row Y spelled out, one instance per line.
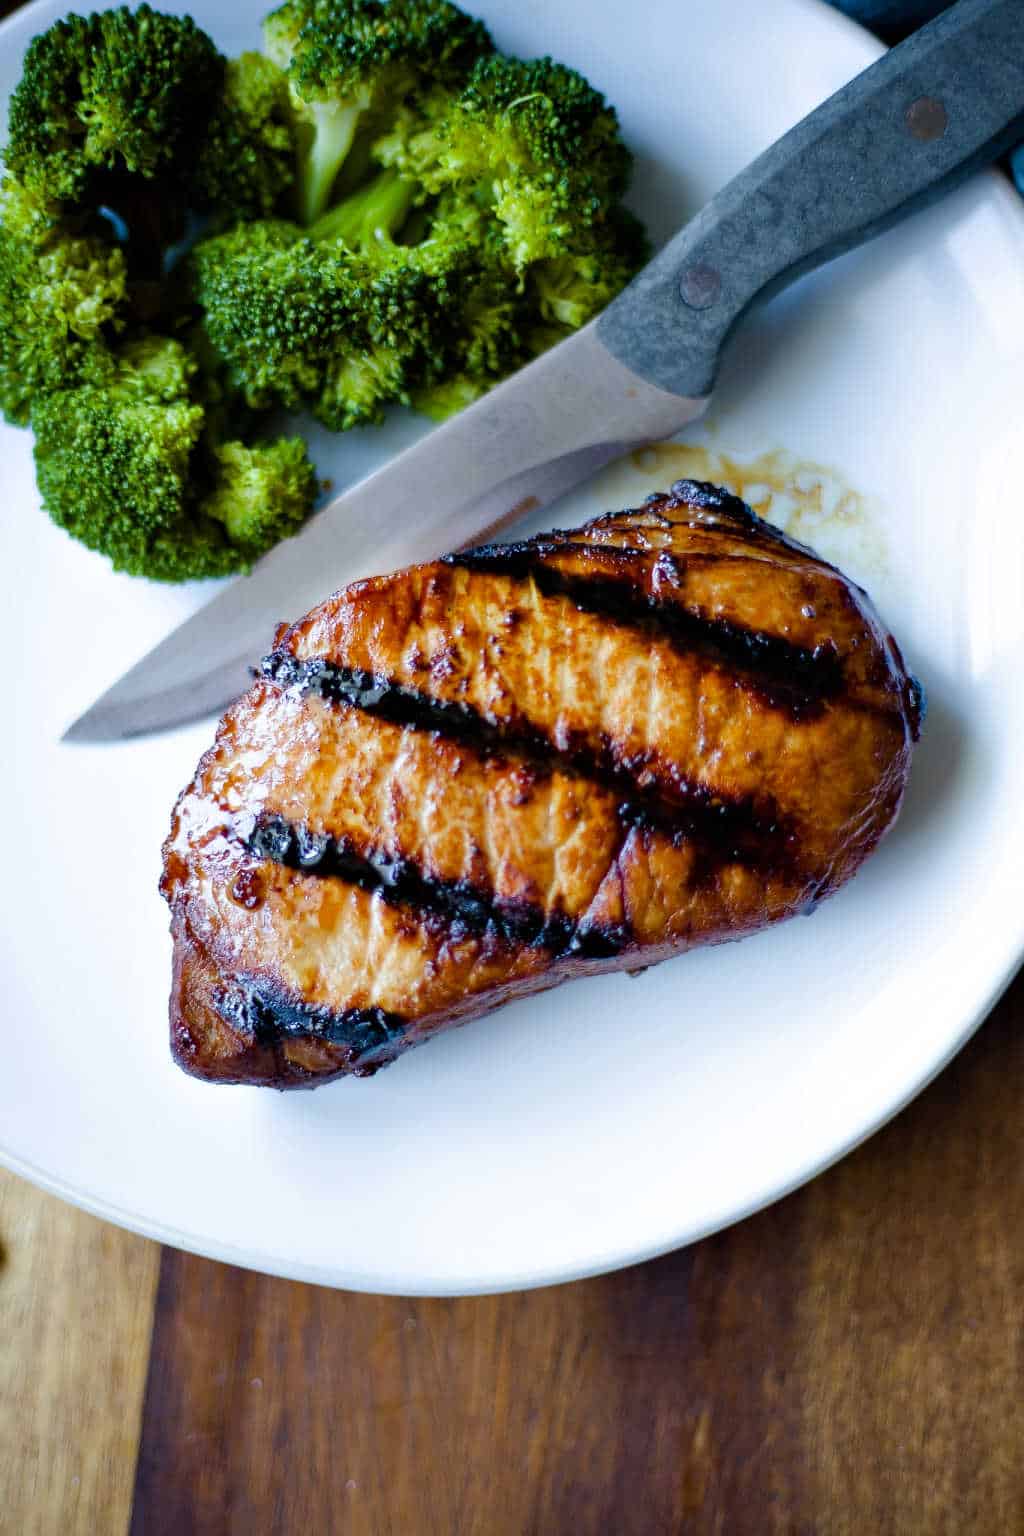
column 907, row 130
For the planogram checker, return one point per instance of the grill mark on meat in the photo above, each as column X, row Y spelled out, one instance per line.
column 726, row 829
column 262, row 1011
column 465, row 910
column 798, row 679
column 786, row 676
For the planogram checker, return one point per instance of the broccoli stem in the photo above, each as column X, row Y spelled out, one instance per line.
column 322, row 157
column 372, row 216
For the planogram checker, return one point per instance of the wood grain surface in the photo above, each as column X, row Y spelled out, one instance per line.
column 76, row 1308
column 849, row 1361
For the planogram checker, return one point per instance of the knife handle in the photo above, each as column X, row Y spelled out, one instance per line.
column 938, row 106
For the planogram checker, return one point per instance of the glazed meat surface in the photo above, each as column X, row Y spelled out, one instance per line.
column 480, row 777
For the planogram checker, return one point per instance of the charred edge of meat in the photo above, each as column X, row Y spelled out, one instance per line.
column 787, row 676
column 738, row 830
column 263, row 1012
column 465, row 909
column 917, row 705
column 703, row 496
column 698, row 496
column 693, row 496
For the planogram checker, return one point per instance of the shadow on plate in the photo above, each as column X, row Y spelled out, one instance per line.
column 940, row 762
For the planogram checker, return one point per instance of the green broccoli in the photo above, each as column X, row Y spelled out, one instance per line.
column 29, row 214
column 384, row 358
column 259, row 493
column 457, row 213
column 570, row 289
column 341, row 325
column 370, row 305
column 62, row 299
column 411, row 142
column 273, row 307
column 247, row 160
column 110, row 117
column 127, row 467
column 382, row 300
column 435, row 312
column 352, row 61
column 487, row 334
column 113, row 460
column 529, row 138
column 118, row 91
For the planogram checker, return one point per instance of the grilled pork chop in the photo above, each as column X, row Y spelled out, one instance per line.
column 480, row 777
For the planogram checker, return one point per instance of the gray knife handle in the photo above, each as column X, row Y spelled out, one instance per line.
column 935, row 108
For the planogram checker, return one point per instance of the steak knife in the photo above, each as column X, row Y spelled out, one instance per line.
column 945, row 102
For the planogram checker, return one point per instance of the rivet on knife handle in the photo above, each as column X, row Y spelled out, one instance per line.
column 945, row 102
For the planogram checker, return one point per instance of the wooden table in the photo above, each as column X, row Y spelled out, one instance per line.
column 849, row 1361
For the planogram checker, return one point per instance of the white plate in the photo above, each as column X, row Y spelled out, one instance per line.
column 616, row 1118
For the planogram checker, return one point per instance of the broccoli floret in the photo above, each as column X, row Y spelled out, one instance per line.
column 128, row 468
column 412, row 141
column 341, row 325
column 353, row 314
column 113, row 460
column 448, row 396
column 442, row 314
column 457, row 213
column 261, row 493
column 62, row 299
column 273, row 307
column 28, row 213
column 314, row 325
column 531, row 138
column 247, row 161
column 156, row 368
column 486, row 323
column 393, row 343
column 495, row 322
column 122, row 90
column 109, row 117
column 570, row 289
column 357, row 386
column 350, row 60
